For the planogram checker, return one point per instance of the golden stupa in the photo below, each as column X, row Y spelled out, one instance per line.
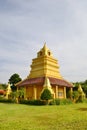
column 44, row 73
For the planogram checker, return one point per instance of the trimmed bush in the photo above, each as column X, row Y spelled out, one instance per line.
column 57, row 101
column 33, row 102
column 65, row 101
column 52, row 102
column 85, row 100
column 60, row 102
column 3, row 100
column 46, row 95
column 39, row 102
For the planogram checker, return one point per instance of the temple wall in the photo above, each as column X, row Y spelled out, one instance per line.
column 33, row 92
column 59, row 92
column 29, row 92
column 39, row 90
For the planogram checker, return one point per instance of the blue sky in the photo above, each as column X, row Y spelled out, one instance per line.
column 26, row 24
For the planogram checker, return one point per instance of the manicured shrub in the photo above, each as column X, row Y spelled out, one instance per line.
column 52, row 102
column 69, row 94
column 23, row 101
column 85, row 100
column 46, row 95
column 65, row 101
column 33, row 102
column 57, row 101
column 60, row 102
column 75, row 96
column 3, row 100
column 39, row 102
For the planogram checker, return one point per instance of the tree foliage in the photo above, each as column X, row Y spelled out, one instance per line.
column 15, row 78
column 46, row 95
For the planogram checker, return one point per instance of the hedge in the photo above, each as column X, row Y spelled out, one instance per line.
column 3, row 100
column 33, row 102
column 60, row 102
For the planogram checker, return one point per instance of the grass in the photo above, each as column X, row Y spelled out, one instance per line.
column 24, row 117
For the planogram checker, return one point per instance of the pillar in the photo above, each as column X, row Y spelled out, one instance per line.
column 24, row 92
column 64, row 92
column 35, row 92
column 17, row 96
column 71, row 90
column 56, row 93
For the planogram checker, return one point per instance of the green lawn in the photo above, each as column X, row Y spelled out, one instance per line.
column 24, row 117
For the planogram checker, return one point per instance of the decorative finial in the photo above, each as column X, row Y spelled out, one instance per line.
column 44, row 44
column 47, row 83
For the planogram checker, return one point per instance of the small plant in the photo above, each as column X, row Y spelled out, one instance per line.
column 75, row 96
column 60, row 102
column 46, row 95
column 52, row 102
column 57, row 101
column 65, row 101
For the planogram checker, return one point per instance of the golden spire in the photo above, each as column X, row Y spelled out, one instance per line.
column 8, row 91
column 48, row 85
column 44, row 43
column 45, row 49
column 45, row 46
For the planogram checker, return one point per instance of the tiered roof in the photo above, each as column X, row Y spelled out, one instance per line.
column 45, row 65
column 40, row 81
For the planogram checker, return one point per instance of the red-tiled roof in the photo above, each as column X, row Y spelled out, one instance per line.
column 32, row 81
column 40, row 81
column 60, row 82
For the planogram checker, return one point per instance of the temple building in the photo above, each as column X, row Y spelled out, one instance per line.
column 44, row 73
